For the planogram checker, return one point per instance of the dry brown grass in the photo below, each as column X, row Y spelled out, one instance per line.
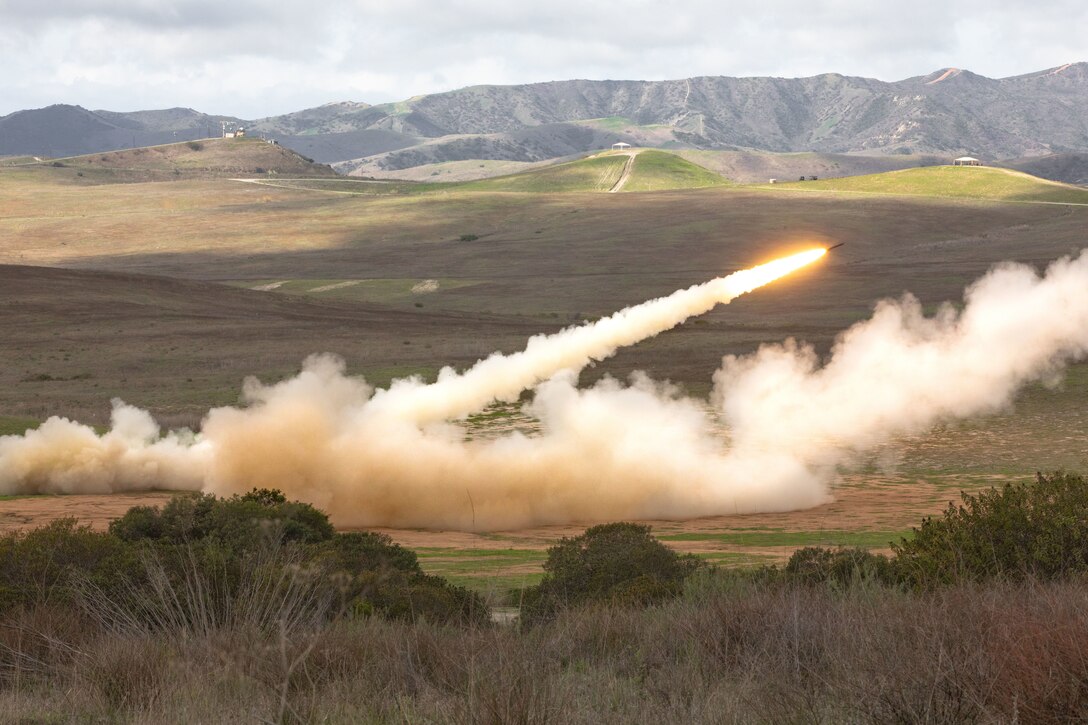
column 201, row 159
column 727, row 652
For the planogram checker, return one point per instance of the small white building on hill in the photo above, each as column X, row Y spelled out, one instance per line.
column 966, row 161
column 620, row 146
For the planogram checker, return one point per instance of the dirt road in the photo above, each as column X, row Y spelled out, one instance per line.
column 626, row 172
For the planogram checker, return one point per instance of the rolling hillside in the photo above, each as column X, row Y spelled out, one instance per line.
column 1069, row 168
column 754, row 167
column 597, row 173
column 659, row 171
column 947, row 112
column 964, row 182
column 63, row 130
column 651, row 170
column 213, row 157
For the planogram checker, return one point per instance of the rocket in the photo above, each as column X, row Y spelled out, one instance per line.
column 836, row 246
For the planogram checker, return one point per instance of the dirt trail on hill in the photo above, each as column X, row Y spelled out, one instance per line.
column 626, row 172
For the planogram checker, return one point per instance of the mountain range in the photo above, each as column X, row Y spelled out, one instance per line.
column 945, row 113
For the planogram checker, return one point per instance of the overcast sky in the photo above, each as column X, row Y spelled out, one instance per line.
column 253, row 58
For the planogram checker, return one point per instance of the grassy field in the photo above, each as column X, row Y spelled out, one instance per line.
column 756, row 167
column 652, row 170
column 953, row 182
column 84, row 323
column 449, row 171
column 599, row 173
column 796, row 539
column 14, row 425
column 659, row 171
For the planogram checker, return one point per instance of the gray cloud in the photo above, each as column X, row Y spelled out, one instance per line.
column 253, row 59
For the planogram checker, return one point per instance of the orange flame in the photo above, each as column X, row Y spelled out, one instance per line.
column 747, row 280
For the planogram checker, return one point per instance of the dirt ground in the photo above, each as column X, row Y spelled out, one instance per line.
column 863, row 503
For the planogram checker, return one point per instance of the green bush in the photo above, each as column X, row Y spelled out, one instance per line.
column 36, row 566
column 840, row 567
column 201, row 563
column 1033, row 530
column 238, row 522
column 612, row 563
column 397, row 595
column 373, row 575
column 356, row 552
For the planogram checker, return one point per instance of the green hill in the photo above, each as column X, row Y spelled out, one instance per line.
column 651, row 171
column 967, row 182
column 660, row 170
column 597, row 173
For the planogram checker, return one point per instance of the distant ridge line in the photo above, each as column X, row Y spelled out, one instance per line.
column 1031, row 115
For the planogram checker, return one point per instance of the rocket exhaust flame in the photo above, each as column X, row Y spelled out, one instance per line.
column 608, row 452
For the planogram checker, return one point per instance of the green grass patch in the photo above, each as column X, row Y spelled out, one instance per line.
column 612, row 123
column 735, row 559
column 520, row 555
column 483, row 569
column 15, row 426
column 382, row 376
column 956, row 182
column 360, row 187
column 501, row 583
column 659, row 170
column 599, row 173
column 863, row 539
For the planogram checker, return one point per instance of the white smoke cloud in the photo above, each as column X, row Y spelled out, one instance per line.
column 63, row 456
column 901, row 372
column 612, row 451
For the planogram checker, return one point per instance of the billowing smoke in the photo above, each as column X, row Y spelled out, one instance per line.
column 612, row 451
column 901, row 372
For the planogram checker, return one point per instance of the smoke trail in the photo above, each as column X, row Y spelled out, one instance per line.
column 504, row 377
column 608, row 452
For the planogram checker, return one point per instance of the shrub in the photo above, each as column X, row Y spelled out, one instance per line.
column 376, row 576
column 208, row 562
column 238, row 522
column 36, row 566
column 413, row 597
column 840, row 567
column 203, row 588
column 468, row 237
column 356, row 552
column 619, row 563
column 195, row 146
column 1037, row 529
